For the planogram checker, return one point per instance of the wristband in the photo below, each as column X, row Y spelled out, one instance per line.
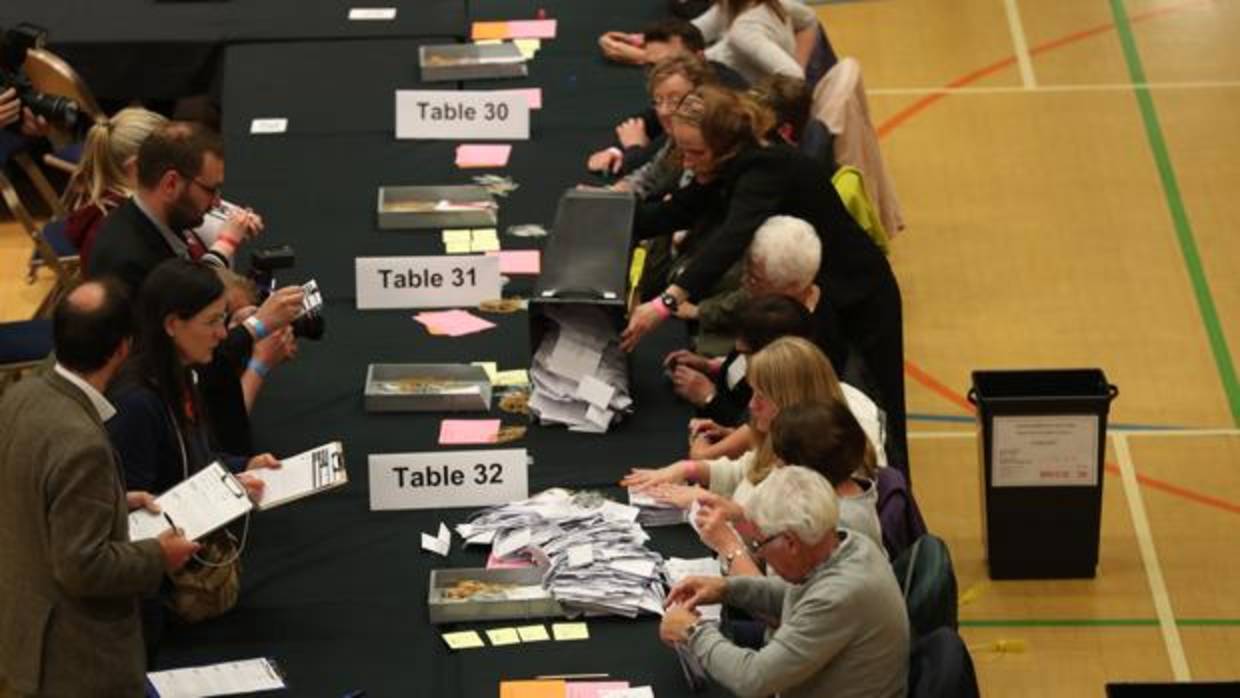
column 691, row 470
column 617, row 151
column 260, row 330
column 663, row 311
column 235, row 242
column 258, row 367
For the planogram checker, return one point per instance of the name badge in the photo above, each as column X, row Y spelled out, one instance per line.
column 446, row 479
column 736, row 371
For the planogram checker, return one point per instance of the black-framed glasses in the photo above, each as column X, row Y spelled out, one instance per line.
column 756, row 546
column 213, row 192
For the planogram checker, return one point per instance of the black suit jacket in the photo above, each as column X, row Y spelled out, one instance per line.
column 128, row 246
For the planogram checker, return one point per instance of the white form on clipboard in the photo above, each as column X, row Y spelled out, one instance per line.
column 302, row 475
column 198, row 505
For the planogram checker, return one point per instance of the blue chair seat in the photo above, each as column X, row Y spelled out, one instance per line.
column 27, row 340
column 10, row 144
column 70, row 153
column 54, row 233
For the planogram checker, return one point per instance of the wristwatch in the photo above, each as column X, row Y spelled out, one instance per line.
column 692, row 631
column 670, row 302
column 726, row 563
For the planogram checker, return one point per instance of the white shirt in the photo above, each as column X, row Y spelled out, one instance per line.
column 97, row 400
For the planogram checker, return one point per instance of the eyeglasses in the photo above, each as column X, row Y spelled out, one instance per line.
column 756, row 546
column 213, row 192
column 667, row 103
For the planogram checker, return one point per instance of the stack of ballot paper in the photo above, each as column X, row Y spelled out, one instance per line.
column 653, row 512
column 579, row 374
column 593, row 550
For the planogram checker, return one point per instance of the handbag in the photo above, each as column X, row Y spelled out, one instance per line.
column 210, row 583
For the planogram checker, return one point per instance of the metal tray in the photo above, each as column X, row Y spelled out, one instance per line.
column 411, row 207
column 445, row 610
column 444, row 62
column 472, row 395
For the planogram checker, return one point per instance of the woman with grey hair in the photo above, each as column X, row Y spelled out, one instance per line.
column 843, row 629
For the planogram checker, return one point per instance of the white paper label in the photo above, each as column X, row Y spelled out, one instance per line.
column 736, row 371
column 269, row 125
column 426, row 282
column 1045, row 451
column 446, row 479
column 361, row 14
column 458, row 115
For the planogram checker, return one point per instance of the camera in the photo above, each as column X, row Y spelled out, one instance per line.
column 263, row 265
column 14, row 43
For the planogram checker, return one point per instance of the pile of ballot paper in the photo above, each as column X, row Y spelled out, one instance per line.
column 579, row 374
column 652, row 512
column 593, row 550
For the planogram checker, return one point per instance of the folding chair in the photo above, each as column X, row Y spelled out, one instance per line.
column 940, row 667
column 23, row 346
column 51, row 249
column 50, row 74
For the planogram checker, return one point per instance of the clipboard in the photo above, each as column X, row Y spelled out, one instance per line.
column 305, row 474
column 226, row 678
column 200, row 504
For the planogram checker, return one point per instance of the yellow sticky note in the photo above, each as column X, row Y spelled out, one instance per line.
column 451, row 235
column 489, row 41
column 533, row 633
column 458, row 247
column 517, row 376
column 528, row 47
column 570, row 631
column 485, row 232
column 484, row 245
column 490, row 367
column 464, row 640
column 503, row 636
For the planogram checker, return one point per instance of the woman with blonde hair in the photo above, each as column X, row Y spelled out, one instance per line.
column 106, row 173
column 789, row 371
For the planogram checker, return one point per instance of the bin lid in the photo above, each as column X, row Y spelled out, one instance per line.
column 587, row 254
column 1041, row 384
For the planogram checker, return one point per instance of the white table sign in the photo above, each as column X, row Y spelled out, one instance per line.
column 269, row 125
column 364, row 14
column 452, row 281
column 446, row 479
column 1045, row 451
column 459, row 115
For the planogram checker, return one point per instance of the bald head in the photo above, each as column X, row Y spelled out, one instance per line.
column 90, row 325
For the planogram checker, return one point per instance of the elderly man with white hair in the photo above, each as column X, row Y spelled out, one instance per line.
column 843, row 628
column 784, row 258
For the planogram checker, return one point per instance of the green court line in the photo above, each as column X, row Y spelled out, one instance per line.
column 1179, row 215
column 1094, row 622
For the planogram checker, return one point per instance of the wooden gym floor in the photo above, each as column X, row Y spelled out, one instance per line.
column 1060, row 217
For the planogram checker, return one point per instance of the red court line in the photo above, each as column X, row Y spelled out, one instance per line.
column 899, row 118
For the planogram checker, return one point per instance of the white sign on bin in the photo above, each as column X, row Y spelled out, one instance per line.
column 448, row 281
column 458, row 115
column 1044, row 451
column 445, row 479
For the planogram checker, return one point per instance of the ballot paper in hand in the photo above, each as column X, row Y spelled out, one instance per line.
column 653, row 512
column 302, row 475
column 204, row 502
column 225, row 679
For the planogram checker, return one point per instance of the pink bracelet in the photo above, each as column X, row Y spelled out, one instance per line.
column 663, row 311
column 691, row 470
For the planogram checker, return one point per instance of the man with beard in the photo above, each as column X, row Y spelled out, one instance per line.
column 180, row 172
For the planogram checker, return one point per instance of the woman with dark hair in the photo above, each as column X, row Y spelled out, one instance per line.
column 161, row 428
column 739, row 182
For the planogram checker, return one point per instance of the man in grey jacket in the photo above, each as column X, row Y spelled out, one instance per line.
column 843, row 628
column 70, row 579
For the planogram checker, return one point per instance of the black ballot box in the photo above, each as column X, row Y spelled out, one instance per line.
column 586, row 258
column 1191, row 689
column 1042, row 448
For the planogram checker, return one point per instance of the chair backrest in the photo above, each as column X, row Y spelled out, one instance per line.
column 940, row 667
column 898, row 512
column 929, row 583
column 51, row 74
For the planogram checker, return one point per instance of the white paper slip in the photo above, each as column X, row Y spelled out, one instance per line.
column 580, row 555
column 312, row 298
column 600, row 418
column 511, row 543
column 211, row 498
column 639, row 692
column 302, row 475
column 595, row 392
column 227, row 678
column 435, row 545
column 736, row 371
column 362, row 14
column 270, row 125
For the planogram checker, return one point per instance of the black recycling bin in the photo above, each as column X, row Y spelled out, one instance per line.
column 1042, row 446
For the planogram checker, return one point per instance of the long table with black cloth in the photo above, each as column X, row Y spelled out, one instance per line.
column 336, row 593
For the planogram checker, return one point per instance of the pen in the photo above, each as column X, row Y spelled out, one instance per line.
column 170, row 524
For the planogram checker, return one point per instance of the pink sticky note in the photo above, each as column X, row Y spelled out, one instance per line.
column 479, row 155
column 531, row 29
column 468, row 431
column 508, row 563
column 519, row 261
column 533, row 94
column 593, row 689
column 453, row 323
